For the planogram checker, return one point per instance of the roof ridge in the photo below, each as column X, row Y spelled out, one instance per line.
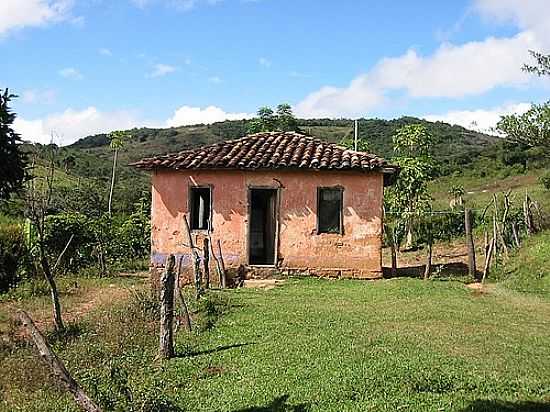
column 268, row 150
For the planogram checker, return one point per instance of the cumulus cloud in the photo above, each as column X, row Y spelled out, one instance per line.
column 39, row 96
column 182, row 5
column 160, row 70
column 71, row 73
column 17, row 14
column 69, row 126
column 187, row 115
column 480, row 120
column 265, row 62
column 452, row 71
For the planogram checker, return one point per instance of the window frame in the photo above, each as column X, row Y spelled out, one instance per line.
column 190, row 213
column 340, row 189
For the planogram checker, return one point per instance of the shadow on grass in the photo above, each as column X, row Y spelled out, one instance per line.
column 502, row 406
column 444, row 271
column 279, row 404
column 191, row 353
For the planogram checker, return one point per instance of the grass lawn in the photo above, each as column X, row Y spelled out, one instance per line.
column 310, row 345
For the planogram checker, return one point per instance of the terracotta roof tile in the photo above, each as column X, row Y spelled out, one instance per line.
column 269, row 150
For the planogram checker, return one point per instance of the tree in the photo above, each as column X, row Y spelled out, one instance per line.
column 12, row 161
column 269, row 121
column 542, row 65
column 409, row 196
column 118, row 140
column 285, row 118
column 533, row 127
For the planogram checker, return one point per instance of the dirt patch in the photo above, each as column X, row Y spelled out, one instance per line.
column 262, row 283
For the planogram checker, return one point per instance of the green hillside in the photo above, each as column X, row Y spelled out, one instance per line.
column 462, row 154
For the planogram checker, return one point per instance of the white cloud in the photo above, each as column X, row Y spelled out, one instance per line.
column 38, row 96
column 105, row 52
column 71, row 125
column 215, row 79
column 452, row 71
column 265, row 62
column 187, row 115
column 160, row 70
column 71, row 73
column 181, row 5
column 480, row 120
column 17, row 14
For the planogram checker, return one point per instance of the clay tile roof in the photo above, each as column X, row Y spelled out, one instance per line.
column 270, row 150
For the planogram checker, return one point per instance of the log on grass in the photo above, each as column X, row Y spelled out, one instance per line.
column 58, row 368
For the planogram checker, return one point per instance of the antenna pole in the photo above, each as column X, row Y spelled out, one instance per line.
column 356, row 135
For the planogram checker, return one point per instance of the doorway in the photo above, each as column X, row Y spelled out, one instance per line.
column 262, row 227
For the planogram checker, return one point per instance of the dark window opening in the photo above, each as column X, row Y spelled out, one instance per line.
column 263, row 226
column 329, row 210
column 200, row 204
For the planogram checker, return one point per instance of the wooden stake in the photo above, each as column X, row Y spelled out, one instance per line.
column 470, row 243
column 428, row 267
column 488, row 259
column 217, row 260
column 195, row 257
column 186, row 318
column 167, row 285
column 206, row 262
column 223, row 279
column 58, row 368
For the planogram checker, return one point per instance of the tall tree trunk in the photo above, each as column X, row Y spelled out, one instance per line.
column 58, row 368
column 115, row 158
column 167, row 309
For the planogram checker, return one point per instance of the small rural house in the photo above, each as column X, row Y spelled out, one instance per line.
column 276, row 201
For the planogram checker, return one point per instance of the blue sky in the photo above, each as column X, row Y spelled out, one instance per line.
column 88, row 66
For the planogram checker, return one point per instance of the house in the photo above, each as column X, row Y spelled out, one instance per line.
column 276, row 201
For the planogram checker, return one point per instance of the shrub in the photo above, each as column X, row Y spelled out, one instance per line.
column 544, row 180
column 12, row 255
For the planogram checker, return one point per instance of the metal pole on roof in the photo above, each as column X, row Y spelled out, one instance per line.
column 356, row 134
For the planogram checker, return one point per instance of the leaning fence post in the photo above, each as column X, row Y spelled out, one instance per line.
column 167, row 285
column 206, row 262
column 470, row 243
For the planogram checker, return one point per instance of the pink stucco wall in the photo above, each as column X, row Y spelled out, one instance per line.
column 356, row 253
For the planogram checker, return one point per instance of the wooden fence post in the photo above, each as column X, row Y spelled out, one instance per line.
column 195, row 258
column 167, row 309
column 470, row 243
column 178, row 294
column 58, row 368
column 223, row 279
column 206, row 262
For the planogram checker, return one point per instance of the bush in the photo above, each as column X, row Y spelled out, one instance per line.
column 12, row 255
column 544, row 180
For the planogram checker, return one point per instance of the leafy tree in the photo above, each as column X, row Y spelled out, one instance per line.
column 12, row 160
column 409, row 196
column 269, row 121
column 533, row 127
column 285, row 118
column 117, row 142
column 542, row 65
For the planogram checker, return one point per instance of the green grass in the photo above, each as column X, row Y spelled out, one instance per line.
column 529, row 269
column 312, row 345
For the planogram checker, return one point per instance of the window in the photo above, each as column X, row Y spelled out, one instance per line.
column 200, row 205
column 329, row 210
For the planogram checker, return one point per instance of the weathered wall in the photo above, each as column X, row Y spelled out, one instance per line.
column 356, row 253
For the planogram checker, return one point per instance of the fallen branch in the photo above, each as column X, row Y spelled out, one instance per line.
column 58, row 368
